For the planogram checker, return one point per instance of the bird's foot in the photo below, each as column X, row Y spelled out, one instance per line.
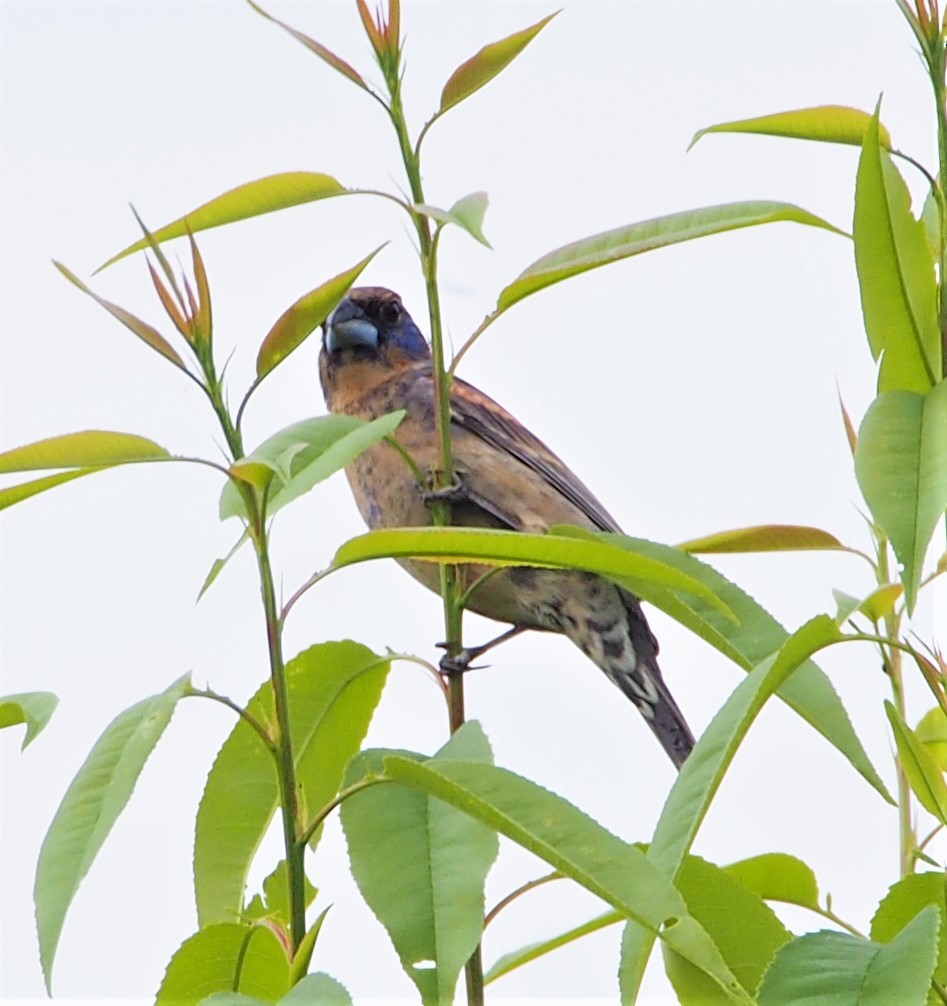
column 456, row 492
column 460, row 662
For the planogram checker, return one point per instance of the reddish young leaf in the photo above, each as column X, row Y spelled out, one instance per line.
column 203, row 318
column 372, row 28
column 167, row 302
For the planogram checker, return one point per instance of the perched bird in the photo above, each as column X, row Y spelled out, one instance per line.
column 375, row 360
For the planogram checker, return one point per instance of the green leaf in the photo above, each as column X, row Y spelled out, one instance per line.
column 231, row 999
column 89, row 449
column 922, row 771
column 226, row 958
column 299, row 320
column 825, row 123
column 895, row 274
column 755, row 636
column 875, row 606
column 776, row 876
column 32, row 708
column 320, row 50
column 481, row 68
column 147, row 333
column 901, row 466
column 317, row 990
column 930, row 218
column 517, row 958
column 218, row 564
column 333, row 690
column 745, row 930
column 576, row 846
column 329, row 443
column 931, row 731
column 421, row 866
column 92, row 804
column 903, row 902
column 633, row 239
column 764, row 538
column 264, row 195
column 703, row 771
column 273, row 904
column 639, row 573
column 835, row 969
column 467, row 213
column 25, row 490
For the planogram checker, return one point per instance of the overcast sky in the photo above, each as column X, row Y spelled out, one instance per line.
column 693, row 389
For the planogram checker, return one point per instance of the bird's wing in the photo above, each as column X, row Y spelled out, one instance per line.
column 473, row 411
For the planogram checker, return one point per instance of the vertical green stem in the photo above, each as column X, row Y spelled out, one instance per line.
column 444, row 476
column 936, row 65
column 892, row 664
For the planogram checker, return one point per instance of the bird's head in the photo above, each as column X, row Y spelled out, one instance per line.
column 367, row 334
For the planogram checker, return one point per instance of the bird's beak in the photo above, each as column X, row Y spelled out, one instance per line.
column 348, row 327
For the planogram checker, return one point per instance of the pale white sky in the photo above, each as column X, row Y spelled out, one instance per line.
column 693, row 389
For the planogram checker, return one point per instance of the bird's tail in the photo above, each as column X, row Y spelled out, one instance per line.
column 645, row 686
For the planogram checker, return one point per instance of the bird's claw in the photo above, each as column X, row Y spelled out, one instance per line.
column 459, row 663
column 456, row 492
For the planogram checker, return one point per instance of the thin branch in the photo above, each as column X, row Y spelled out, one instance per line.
column 343, row 794
column 512, row 896
column 244, row 714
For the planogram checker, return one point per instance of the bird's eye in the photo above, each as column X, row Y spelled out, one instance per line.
column 391, row 313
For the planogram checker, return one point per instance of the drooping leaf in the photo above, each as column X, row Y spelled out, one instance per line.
column 147, row 333
column 825, row 123
column 252, row 199
column 333, row 690
column 298, row 321
column 326, row 445
column 574, row 845
column 633, row 239
column 776, row 876
column 92, row 804
column 745, row 930
column 700, row 776
column 26, row 490
column 90, row 448
column 755, row 636
column 481, row 68
column 901, row 466
column 421, row 866
column 765, row 538
column 895, row 274
column 467, row 213
column 903, row 902
column 836, row 969
column 931, row 731
column 226, row 958
column 320, row 50
column 924, row 775
column 513, row 548
column 32, row 708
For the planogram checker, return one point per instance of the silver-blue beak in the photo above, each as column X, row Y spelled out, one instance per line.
column 348, row 327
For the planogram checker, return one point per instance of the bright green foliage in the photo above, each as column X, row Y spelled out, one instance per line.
column 264, row 195
column 923, row 772
column 776, row 876
column 835, row 969
column 901, row 464
column 481, row 68
column 903, row 902
column 314, row 990
column 767, row 538
column 577, row 847
column 227, row 957
column 32, row 708
column 466, row 213
column 421, row 866
column 745, row 930
column 289, row 463
column 273, row 904
column 825, row 123
column 895, row 275
column 633, row 239
column 92, row 804
column 299, row 320
column 931, row 731
column 91, row 448
column 701, row 775
column 333, row 690
column 640, row 573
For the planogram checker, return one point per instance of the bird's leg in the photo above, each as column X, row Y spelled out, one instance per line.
column 457, row 663
column 456, row 492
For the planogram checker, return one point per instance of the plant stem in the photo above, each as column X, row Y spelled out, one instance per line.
column 891, row 655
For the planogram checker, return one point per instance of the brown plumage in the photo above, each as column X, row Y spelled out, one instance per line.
column 373, row 361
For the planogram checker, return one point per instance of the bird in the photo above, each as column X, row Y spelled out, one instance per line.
column 375, row 360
